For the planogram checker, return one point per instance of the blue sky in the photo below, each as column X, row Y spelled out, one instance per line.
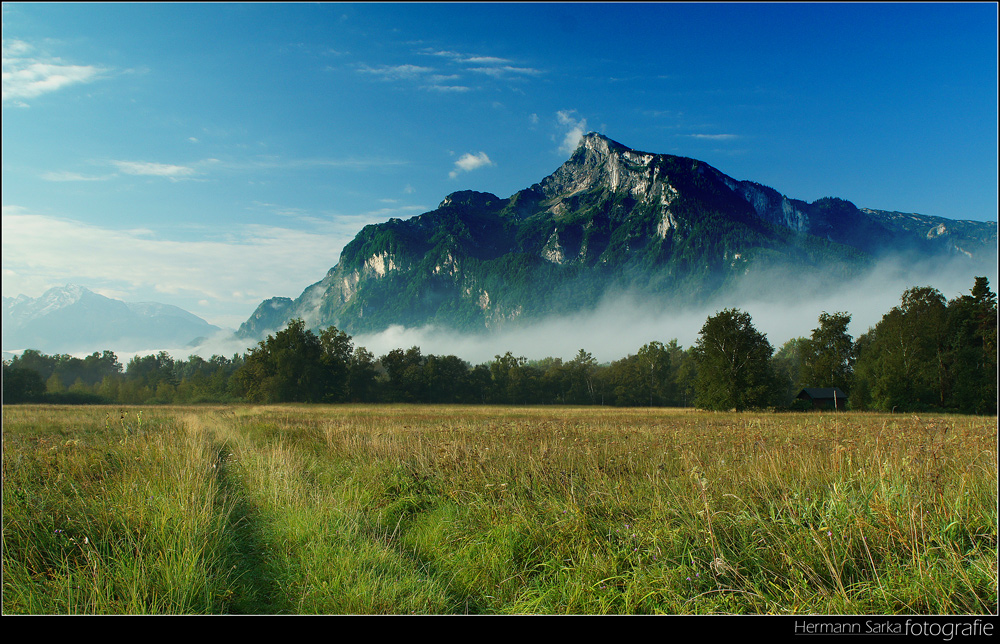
column 213, row 155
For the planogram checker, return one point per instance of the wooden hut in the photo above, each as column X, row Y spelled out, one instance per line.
column 824, row 397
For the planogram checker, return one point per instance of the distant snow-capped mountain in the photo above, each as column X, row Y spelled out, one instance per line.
column 73, row 319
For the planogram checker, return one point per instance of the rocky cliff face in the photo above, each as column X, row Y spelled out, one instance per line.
column 609, row 218
column 270, row 314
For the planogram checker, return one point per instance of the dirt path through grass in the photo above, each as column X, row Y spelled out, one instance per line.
column 303, row 537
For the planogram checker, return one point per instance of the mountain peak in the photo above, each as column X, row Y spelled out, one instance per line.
column 599, row 161
column 591, row 138
column 73, row 318
column 609, row 219
column 471, row 198
column 597, row 143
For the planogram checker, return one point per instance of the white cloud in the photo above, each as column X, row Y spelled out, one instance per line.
column 468, row 58
column 498, row 71
column 27, row 77
column 458, row 65
column 255, row 262
column 135, row 168
column 396, row 72
column 469, row 162
column 486, row 60
column 448, row 88
column 444, row 54
column 14, row 47
column 491, row 65
column 577, row 128
column 74, row 176
column 146, row 168
column 715, row 137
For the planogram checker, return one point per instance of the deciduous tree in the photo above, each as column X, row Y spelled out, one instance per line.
column 286, row 367
column 734, row 363
column 901, row 361
column 828, row 356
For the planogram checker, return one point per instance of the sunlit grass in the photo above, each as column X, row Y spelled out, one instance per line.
column 425, row 509
column 109, row 511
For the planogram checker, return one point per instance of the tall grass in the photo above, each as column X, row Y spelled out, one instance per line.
column 420, row 509
column 109, row 511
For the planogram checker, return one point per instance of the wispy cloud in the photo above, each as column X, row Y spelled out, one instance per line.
column 233, row 272
column 467, row 58
column 485, row 60
column 576, row 128
column 251, row 164
column 147, row 168
column 347, row 163
column 715, row 137
column 136, row 168
column 339, row 224
column 396, row 72
column 468, row 162
column 448, row 88
column 26, row 76
column 75, row 176
column 499, row 71
column 442, row 53
column 445, row 83
column 454, row 71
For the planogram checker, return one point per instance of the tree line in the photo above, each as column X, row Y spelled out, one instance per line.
column 927, row 353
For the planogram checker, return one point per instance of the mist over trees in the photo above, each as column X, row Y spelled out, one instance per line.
column 927, row 353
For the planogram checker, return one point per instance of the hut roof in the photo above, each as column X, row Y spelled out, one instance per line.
column 822, row 393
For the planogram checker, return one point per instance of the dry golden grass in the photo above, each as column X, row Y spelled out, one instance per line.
column 440, row 509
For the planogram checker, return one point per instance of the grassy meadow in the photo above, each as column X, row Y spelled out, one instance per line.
column 495, row 510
